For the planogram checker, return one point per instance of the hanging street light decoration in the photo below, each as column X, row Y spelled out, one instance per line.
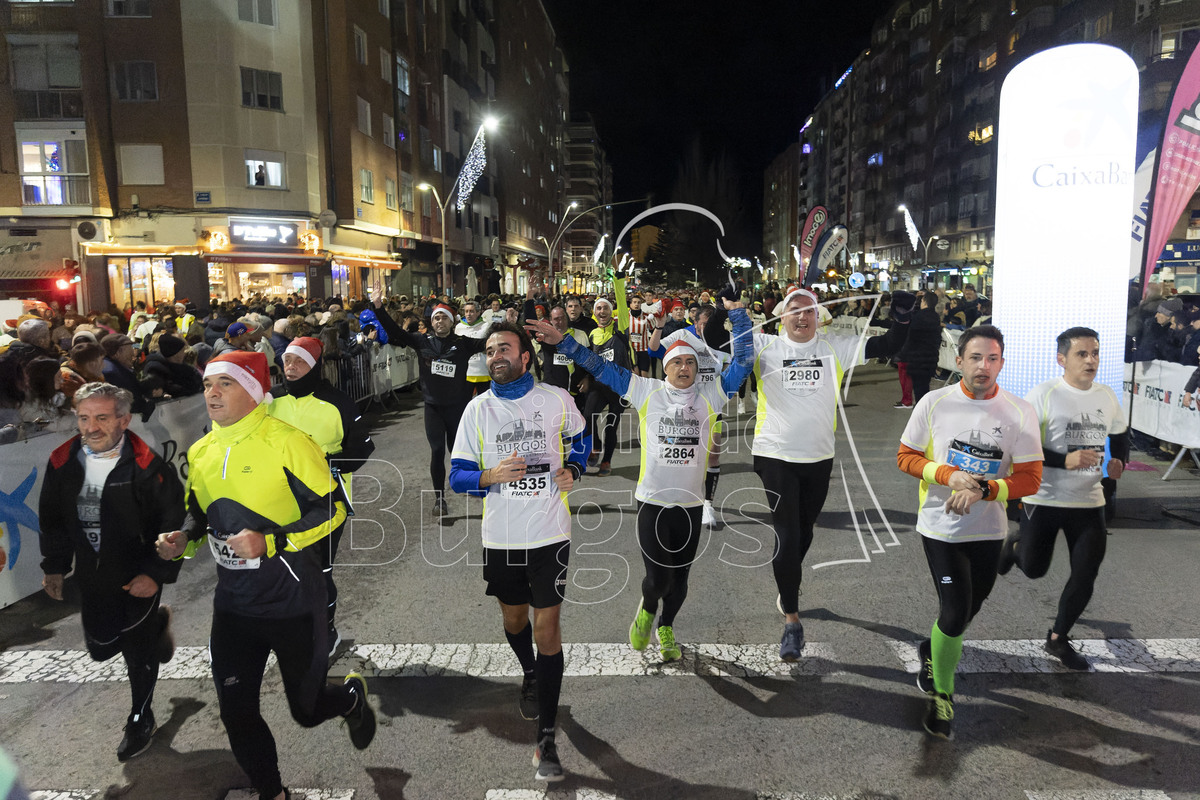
column 472, row 168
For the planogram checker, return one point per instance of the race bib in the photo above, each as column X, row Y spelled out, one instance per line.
column 224, row 556
column 707, row 375
column 976, row 453
column 536, row 483
column 678, row 453
column 443, row 368
column 802, row 375
column 607, row 355
column 561, row 361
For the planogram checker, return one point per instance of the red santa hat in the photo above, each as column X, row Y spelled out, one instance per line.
column 306, row 348
column 678, row 349
column 249, row 369
column 442, row 308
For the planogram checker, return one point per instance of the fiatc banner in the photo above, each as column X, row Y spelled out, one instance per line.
column 1178, row 173
column 1064, row 186
column 1158, row 408
column 814, row 226
column 831, row 244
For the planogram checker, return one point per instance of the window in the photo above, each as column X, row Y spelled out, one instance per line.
column 982, row 133
column 966, row 206
column 140, row 164
column 385, row 65
column 389, row 193
column 987, row 59
column 389, row 131
column 129, row 8
column 360, row 45
column 1101, row 26
column 52, row 64
column 406, row 193
column 54, row 168
column 264, row 169
column 385, row 8
column 402, row 88
column 135, row 80
column 367, row 180
column 364, row 116
column 1013, row 38
column 262, row 89
column 875, row 160
column 426, row 204
column 437, row 159
column 260, row 11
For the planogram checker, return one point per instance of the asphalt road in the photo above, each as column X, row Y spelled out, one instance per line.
column 731, row 721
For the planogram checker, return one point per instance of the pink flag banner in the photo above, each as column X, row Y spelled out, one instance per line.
column 814, row 226
column 1178, row 172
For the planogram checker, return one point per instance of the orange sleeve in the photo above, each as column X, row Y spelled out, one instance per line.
column 1026, row 479
column 914, row 462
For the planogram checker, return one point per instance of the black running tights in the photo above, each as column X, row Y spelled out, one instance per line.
column 963, row 574
column 1087, row 539
column 441, row 426
column 668, row 537
column 796, row 494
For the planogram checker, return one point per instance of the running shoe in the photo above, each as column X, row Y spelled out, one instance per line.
column 593, row 459
column 166, row 638
column 361, row 719
column 902, row 405
column 1008, row 555
column 639, row 631
column 545, row 758
column 139, row 732
column 792, row 643
column 667, row 646
column 709, row 515
column 440, row 509
column 1062, row 649
column 528, row 702
column 741, row 406
column 925, row 668
column 605, row 469
column 939, row 715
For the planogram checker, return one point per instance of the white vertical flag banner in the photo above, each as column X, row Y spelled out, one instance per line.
column 1064, row 186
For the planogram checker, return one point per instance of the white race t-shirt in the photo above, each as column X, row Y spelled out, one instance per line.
column 1070, row 420
column 797, row 394
column 676, row 432
column 96, row 471
column 709, row 362
column 982, row 437
column 476, row 364
column 531, row 512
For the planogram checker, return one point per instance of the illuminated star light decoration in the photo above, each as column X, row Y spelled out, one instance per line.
column 911, row 227
column 472, row 168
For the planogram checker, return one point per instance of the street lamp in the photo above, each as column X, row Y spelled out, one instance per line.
column 464, row 183
column 567, row 224
column 562, row 226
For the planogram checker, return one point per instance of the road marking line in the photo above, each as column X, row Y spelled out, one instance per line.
column 65, row 794
column 548, row 794
column 1106, row 655
column 297, row 794
column 1099, row 794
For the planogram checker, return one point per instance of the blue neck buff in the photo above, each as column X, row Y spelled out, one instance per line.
column 514, row 390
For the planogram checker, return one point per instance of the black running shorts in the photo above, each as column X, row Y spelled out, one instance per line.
column 537, row 577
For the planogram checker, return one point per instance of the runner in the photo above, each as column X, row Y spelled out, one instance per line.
column 610, row 341
column 677, row 420
column 331, row 418
column 968, row 442
column 521, row 446
column 473, row 326
column 1077, row 417
column 443, row 360
column 259, row 493
column 799, row 373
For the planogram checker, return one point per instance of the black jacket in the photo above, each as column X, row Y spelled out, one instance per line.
column 179, row 380
column 142, row 498
column 438, row 390
column 118, row 375
column 356, row 445
column 920, row 351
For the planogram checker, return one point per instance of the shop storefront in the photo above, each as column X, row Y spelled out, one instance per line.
column 32, row 262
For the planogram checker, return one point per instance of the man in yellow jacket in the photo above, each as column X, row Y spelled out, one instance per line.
column 260, row 493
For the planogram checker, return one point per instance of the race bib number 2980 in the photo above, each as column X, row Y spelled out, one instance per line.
column 802, row 375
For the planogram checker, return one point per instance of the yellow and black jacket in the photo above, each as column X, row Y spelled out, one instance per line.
column 264, row 475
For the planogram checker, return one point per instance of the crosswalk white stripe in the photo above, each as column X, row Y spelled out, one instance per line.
column 65, row 794
column 612, row 659
column 1099, row 794
column 548, row 794
column 297, row 794
column 1106, row 655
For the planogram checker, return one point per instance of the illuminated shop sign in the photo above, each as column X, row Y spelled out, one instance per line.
column 263, row 232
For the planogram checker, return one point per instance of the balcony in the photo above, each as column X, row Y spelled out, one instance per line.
column 56, row 190
column 33, row 104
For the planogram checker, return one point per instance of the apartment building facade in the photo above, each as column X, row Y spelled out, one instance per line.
column 589, row 187
column 913, row 121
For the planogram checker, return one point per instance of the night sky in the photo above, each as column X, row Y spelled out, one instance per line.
column 734, row 79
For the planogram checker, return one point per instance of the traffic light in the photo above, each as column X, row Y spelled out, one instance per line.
column 71, row 267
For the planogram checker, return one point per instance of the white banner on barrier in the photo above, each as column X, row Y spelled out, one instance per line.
column 174, row 427
column 1158, row 402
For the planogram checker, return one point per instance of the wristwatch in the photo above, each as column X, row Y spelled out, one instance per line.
column 985, row 487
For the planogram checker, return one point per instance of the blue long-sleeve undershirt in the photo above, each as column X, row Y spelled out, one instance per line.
column 465, row 473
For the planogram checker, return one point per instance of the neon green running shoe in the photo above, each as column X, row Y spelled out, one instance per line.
column 666, row 644
column 639, row 631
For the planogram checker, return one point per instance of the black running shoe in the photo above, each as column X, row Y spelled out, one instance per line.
column 1062, row 649
column 939, row 715
column 1008, row 555
column 545, row 758
column 139, row 732
column 528, row 702
column 165, row 648
column 925, row 668
column 792, row 642
column 361, row 719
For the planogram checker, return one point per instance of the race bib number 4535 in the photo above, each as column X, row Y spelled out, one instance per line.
column 536, row 483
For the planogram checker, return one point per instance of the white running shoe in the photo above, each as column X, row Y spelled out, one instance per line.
column 741, row 406
column 710, row 516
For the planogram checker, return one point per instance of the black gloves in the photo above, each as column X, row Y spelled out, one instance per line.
column 903, row 304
